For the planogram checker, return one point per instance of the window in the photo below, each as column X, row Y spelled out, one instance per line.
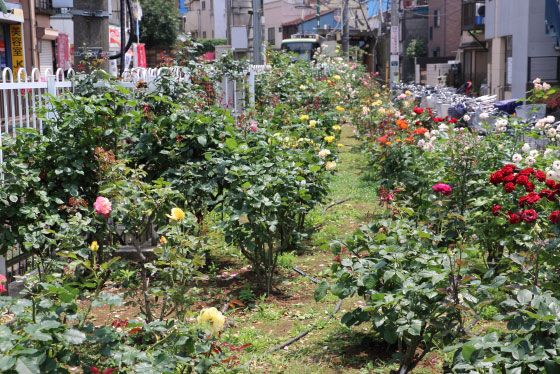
column 280, row 29
column 435, row 52
column 271, row 36
column 203, row 5
column 431, row 33
column 509, row 63
column 437, row 18
column 204, row 35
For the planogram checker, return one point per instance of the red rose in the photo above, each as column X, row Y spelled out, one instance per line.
column 529, row 187
column 509, row 178
column 507, row 170
column 544, row 193
column 541, row 176
column 509, row 187
column 496, row 178
column 529, row 199
column 496, row 210
column 521, row 179
column 513, row 218
column 453, row 120
column 550, row 183
column 551, row 196
column 527, row 171
column 512, row 166
column 555, row 217
column 418, row 110
column 529, row 216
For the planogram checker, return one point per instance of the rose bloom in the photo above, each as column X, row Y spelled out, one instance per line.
column 466, row 118
column 331, row 165
column 421, row 143
column 3, row 280
column 521, row 179
column 517, row 158
column 324, row 153
column 329, row 139
column 554, row 217
column 497, row 177
column 529, row 215
column 484, row 116
column 213, row 317
column 530, row 160
column 526, row 148
column 509, row 187
column 102, row 205
column 496, row 210
column 556, row 165
column 541, row 176
column 513, row 218
column 442, row 188
column 177, row 214
column 546, row 86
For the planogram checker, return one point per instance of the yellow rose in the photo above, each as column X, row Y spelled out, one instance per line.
column 304, row 117
column 408, row 93
column 339, row 108
column 376, row 95
column 176, row 214
column 162, row 240
column 336, row 128
column 94, row 246
column 331, row 165
column 340, row 145
column 312, row 123
column 213, row 317
column 302, row 87
column 329, row 139
column 381, row 111
column 337, row 77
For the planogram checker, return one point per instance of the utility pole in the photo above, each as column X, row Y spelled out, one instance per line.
column 123, row 34
column 91, row 30
column 345, row 27
column 395, row 26
column 257, row 32
column 318, row 16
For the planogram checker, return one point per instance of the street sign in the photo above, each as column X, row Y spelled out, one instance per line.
column 16, row 41
column 394, row 40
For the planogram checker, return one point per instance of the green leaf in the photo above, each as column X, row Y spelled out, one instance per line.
column 390, row 335
column 321, row 291
column 6, row 362
column 231, row 143
column 26, row 365
column 525, row 297
column 202, row 140
column 36, row 334
column 74, row 336
column 467, row 351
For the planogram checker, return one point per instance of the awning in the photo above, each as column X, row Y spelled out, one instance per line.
column 13, row 16
column 47, row 33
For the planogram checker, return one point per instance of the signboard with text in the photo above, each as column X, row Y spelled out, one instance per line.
column 16, row 41
column 63, row 52
column 139, row 56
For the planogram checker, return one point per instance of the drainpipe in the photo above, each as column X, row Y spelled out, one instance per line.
column 445, row 28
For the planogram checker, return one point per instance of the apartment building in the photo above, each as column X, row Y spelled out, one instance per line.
column 204, row 19
column 444, row 28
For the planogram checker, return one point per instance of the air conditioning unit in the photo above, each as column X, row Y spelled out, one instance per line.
column 480, row 12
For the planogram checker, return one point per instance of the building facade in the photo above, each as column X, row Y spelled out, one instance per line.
column 444, row 28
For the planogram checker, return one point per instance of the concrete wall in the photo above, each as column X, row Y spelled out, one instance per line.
column 220, row 21
column 524, row 21
column 448, row 36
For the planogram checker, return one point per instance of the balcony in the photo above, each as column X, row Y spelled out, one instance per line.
column 472, row 17
column 44, row 7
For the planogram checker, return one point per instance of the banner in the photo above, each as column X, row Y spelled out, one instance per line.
column 139, row 55
column 63, row 52
column 16, row 41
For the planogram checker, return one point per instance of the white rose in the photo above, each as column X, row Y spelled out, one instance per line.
column 556, row 165
column 500, row 146
column 427, row 135
column 537, row 80
column 484, row 116
column 516, row 157
column 435, row 133
column 546, row 86
column 534, row 153
column 421, row 143
column 551, row 133
column 530, row 160
column 324, row 153
column 526, row 148
column 443, row 127
column 467, row 118
column 548, row 152
column 539, row 125
column 550, row 119
column 502, row 122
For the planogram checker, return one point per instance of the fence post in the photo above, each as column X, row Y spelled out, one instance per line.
column 51, row 90
column 251, row 86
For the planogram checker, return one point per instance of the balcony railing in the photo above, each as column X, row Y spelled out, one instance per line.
column 473, row 14
column 44, row 7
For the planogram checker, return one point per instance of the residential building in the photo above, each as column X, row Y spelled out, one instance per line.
column 521, row 47
column 473, row 50
column 204, row 19
column 444, row 29
column 278, row 13
column 414, row 28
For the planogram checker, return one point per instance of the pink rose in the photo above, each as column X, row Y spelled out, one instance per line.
column 253, row 126
column 102, row 205
column 442, row 188
column 2, row 281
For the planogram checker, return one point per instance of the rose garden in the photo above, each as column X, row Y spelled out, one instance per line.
column 332, row 227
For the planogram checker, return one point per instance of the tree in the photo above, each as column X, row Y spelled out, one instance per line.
column 416, row 48
column 160, row 22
